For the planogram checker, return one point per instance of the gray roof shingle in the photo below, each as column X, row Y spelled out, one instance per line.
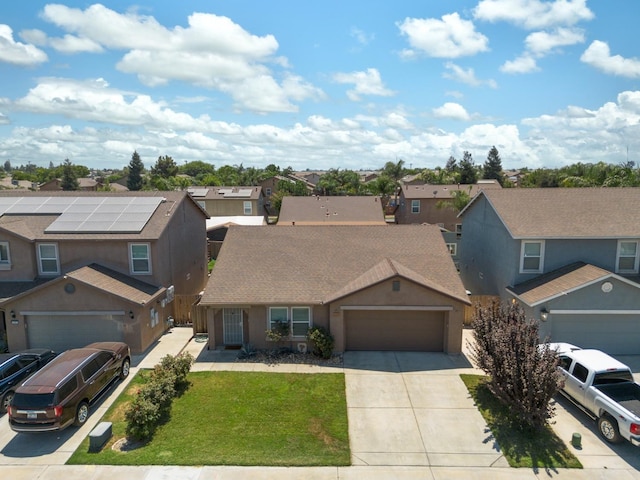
column 313, row 264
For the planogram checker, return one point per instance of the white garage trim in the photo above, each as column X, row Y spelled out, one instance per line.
column 434, row 308
column 594, row 312
column 73, row 313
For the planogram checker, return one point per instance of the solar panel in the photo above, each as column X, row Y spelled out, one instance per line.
column 197, row 192
column 242, row 193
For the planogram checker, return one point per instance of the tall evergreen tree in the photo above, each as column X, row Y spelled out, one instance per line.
column 493, row 166
column 69, row 180
column 165, row 167
column 468, row 172
column 134, row 182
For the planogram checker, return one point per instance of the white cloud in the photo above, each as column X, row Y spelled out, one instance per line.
column 450, row 37
column 598, row 55
column 534, row 14
column 212, row 52
column 451, row 110
column 468, row 76
column 4, row 120
column 522, row 64
column 361, row 36
column 542, row 43
column 18, row 53
column 366, row 83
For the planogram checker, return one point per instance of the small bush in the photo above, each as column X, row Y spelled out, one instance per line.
column 279, row 332
column 322, row 341
column 152, row 404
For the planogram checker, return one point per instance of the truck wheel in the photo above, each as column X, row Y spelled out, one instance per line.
column 608, row 428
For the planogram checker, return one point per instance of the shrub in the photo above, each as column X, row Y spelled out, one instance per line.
column 152, row 403
column 322, row 341
column 279, row 332
column 522, row 376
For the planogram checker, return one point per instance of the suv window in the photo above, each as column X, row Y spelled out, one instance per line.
column 580, row 372
column 90, row 369
column 26, row 360
column 30, row 401
column 10, row 369
column 103, row 358
column 67, row 388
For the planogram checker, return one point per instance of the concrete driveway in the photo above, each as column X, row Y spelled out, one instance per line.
column 412, row 409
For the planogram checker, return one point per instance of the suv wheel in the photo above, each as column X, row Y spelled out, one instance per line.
column 6, row 401
column 125, row 369
column 82, row 413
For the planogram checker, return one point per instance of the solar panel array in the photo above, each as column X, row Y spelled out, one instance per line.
column 86, row 214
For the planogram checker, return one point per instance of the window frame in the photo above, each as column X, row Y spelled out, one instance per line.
column 415, row 206
column 289, row 318
column 249, row 210
column 636, row 257
column 453, row 249
column 540, row 257
column 5, row 264
column 132, row 269
column 56, row 257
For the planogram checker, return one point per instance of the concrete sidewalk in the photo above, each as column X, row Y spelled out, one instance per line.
column 401, row 411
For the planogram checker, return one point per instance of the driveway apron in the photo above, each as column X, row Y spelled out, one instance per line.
column 413, row 409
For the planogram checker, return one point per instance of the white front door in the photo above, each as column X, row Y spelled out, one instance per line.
column 232, row 326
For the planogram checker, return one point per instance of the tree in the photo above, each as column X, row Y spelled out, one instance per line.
column 394, row 171
column 452, row 165
column 165, row 167
column 384, row 187
column 134, row 181
column 493, row 166
column 459, row 199
column 522, row 375
column 468, row 173
column 197, row 169
column 69, row 178
column 7, row 166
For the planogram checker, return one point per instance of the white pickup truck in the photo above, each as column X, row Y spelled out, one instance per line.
column 604, row 388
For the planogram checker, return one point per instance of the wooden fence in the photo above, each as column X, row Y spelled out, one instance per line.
column 482, row 300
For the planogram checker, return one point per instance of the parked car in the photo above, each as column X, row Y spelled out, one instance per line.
column 15, row 367
column 604, row 389
column 61, row 393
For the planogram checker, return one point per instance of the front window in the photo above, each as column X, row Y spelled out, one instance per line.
column 453, row 248
column 531, row 257
column 48, row 259
column 415, row 206
column 5, row 258
column 627, row 261
column 297, row 318
column 140, row 258
column 267, row 192
column 247, row 208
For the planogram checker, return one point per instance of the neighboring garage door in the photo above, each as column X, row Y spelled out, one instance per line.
column 614, row 334
column 413, row 331
column 61, row 333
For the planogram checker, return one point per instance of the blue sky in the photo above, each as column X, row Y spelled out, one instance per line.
column 318, row 85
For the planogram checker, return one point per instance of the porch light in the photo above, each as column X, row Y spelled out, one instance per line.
column 544, row 315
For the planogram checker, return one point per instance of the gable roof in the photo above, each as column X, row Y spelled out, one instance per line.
column 565, row 212
column 314, row 264
column 225, row 193
column 33, row 226
column 561, row 282
column 443, row 192
column 317, row 210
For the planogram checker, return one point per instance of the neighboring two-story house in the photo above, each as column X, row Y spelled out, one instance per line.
column 373, row 287
column 570, row 256
column 319, row 210
column 229, row 201
column 82, row 267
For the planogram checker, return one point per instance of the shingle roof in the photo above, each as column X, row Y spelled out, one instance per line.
column 567, row 212
column 312, row 264
column 116, row 283
column 319, row 210
column 32, row 227
column 444, row 191
column 558, row 282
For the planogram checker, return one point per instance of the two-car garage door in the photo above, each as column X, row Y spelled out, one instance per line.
column 611, row 333
column 394, row 330
column 60, row 333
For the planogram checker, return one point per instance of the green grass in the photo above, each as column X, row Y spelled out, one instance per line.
column 240, row 418
column 521, row 448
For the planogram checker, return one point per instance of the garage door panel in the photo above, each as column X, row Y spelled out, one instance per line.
column 61, row 333
column 395, row 331
column 614, row 334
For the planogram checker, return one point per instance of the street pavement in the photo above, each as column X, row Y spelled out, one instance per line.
column 410, row 417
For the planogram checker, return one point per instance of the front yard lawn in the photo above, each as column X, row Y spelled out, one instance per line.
column 520, row 448
column 240, row 418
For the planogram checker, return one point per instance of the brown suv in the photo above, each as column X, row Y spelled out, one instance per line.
column 61, row 393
